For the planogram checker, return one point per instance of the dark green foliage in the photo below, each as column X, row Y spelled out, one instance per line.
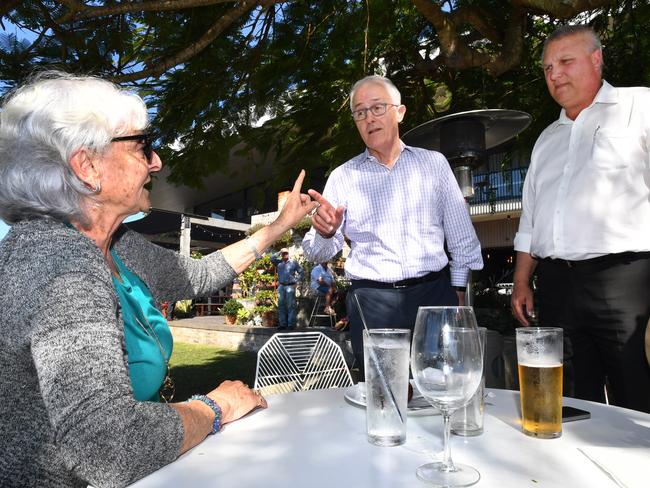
column 294, row 63
column 231, row 307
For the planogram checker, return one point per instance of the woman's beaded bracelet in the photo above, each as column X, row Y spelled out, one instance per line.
column 216, row 424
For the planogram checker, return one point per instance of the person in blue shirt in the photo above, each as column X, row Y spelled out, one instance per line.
column 289, row 272
column 323, row 283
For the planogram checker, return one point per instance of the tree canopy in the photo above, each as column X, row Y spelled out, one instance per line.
column 276, row 74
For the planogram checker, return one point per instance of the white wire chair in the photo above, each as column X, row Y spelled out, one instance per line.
column 299, row 361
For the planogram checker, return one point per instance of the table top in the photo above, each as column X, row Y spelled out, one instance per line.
column 317, row 439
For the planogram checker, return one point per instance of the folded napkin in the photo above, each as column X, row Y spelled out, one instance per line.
column 626, row 467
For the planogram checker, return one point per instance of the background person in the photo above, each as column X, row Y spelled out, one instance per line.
column 289, row 272
column 84, row 351
column 399, row 206
column 584, row 224
column 323, row 283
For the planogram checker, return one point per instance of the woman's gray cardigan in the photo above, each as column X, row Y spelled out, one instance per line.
column 67, row 412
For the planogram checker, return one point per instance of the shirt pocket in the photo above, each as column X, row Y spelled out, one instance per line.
column 614, row 149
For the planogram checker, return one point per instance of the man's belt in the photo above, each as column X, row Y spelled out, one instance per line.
column 288, row 284
column 620, row 257
column 432, row 276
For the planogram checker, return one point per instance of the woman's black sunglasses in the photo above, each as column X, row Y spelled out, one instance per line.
column 147, row 143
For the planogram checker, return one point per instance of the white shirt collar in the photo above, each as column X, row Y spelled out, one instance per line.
column 606, row 94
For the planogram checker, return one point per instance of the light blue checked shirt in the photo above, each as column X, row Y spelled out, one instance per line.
column 398, row 219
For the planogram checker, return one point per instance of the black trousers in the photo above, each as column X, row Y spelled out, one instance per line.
column 392, row 308
column 603, row 306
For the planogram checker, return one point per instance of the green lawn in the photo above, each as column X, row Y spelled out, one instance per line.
column 199, row 369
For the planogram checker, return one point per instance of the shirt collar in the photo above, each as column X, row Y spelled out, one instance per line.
column 606, row 94
column 366, row 157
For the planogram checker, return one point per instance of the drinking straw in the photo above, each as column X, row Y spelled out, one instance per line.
column 373, row 357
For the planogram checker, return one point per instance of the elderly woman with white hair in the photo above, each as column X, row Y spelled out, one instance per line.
column 84, row 351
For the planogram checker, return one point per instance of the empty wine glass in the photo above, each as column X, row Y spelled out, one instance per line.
column 447, row 366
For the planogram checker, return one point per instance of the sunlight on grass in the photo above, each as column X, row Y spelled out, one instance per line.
column 197, row 368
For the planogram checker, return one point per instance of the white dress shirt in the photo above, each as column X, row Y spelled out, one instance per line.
column 398, row 219
column 587, row 191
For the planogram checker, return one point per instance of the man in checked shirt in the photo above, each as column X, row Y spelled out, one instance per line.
column 398, row 205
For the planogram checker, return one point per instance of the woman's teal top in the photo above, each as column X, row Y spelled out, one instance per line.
column 143, row 323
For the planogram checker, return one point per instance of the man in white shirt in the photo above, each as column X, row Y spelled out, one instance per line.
column 585, row 225
column 398, row 205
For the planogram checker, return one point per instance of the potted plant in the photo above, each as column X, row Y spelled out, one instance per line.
column 259, row 275
column 230, row 309
column 268, row 313
column 266, row 306
column 266, row 297
column 244, row 316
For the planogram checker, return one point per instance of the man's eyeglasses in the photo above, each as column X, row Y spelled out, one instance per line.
column 378, row 109
column 145, row 139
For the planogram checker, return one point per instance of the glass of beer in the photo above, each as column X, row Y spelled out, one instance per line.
column 539, row 357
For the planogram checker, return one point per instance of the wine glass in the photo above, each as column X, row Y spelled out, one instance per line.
column 447, row 366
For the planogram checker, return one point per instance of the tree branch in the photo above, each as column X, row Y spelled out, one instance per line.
column 455, row 50
column 479, row 19
column 513, row 44
column 6, row 7
column 192, row 50
column 80, row 11
column 564, row 9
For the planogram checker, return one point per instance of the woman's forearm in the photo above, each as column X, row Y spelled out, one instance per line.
column 241, row 254
column 197, row 422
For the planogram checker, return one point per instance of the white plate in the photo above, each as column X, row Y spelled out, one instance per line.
column 417, row 406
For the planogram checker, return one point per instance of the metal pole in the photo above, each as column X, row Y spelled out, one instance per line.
column 469, row 291
column 186, row 235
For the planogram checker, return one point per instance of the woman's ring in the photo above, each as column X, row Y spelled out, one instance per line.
column 313, row 212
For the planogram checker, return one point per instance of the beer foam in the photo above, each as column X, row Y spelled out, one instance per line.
column 540, row 363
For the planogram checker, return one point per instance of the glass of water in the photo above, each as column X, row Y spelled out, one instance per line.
column 468, row 420
column 386, row 360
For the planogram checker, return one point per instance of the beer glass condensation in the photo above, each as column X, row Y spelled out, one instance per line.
column 539, row 358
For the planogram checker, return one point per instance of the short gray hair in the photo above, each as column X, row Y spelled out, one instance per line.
column 572, row 30
column 42, row 124
column 392, row 90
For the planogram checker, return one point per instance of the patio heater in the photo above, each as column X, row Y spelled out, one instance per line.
column 464, row 138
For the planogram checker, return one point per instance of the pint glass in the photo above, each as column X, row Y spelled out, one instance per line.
column 539, row 358
column 386, row 357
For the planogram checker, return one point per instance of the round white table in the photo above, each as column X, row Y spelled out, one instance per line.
column 317, row 439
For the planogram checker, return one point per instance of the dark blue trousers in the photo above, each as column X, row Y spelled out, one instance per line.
column 392, row 307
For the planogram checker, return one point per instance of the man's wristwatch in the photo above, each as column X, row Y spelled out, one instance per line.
column 460, row 288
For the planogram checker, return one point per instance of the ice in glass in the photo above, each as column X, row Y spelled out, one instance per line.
column 386, row 360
